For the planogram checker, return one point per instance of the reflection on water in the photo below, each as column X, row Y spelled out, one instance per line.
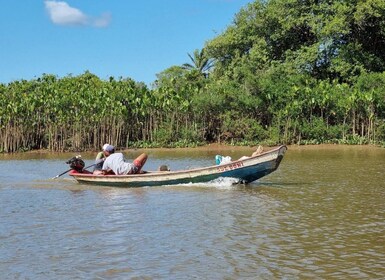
column 319, row 216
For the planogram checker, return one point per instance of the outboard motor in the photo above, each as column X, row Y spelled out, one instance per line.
column 76, row 163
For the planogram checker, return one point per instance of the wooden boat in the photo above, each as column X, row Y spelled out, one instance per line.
column 244, row 171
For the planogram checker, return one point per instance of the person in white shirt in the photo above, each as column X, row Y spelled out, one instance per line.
column 115, row 163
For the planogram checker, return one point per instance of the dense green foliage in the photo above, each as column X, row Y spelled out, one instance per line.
column 285, row 71
column 70, row 113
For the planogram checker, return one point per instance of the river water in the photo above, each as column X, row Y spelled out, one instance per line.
column 321, row 215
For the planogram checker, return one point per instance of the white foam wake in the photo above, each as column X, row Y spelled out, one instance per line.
column 223, row 183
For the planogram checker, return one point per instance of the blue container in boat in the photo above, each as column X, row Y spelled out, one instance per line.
column 218, row 159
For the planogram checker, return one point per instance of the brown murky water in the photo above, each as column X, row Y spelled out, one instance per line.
column 321, row 215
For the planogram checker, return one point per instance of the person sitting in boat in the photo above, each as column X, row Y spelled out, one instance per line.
column 257, row 152
column 115, row 163
column 223, row 159
column 100, row 157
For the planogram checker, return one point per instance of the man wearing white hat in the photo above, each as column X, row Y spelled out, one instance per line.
column 115, row 163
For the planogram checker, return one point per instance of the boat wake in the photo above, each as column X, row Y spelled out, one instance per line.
column 222, row 183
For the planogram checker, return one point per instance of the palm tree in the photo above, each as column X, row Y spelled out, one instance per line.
column 200, row 62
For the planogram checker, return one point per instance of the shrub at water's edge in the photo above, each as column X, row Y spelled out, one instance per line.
column 83, row 112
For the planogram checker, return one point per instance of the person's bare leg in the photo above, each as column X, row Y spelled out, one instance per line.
column 258, row 151
column 140, row 161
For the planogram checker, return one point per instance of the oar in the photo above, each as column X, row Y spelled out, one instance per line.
column 57, row 176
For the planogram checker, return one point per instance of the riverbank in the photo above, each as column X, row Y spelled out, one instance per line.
column 216, row 146
column 213, row 147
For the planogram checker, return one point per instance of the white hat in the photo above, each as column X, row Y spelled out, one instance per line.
column 110, row 149
column 105, row 146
